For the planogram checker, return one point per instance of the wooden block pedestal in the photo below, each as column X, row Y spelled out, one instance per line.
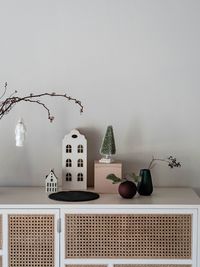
column 101, row 170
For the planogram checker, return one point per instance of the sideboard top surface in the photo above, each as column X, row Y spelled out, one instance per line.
column 11, row 196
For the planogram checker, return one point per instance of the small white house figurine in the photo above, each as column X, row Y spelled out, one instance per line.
column 51, row 182
column 74, row 161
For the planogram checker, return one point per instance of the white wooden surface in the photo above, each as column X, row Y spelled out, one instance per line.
column 26, row 196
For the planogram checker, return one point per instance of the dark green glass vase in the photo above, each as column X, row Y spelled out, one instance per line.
column 145, row 186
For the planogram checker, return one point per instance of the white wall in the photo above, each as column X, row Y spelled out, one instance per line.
column 133, row 63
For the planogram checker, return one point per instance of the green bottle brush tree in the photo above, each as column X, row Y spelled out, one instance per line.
column 108, row 146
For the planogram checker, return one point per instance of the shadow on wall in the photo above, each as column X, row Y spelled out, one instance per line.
column 197, row 190
column 130, row 166
column 93, row 145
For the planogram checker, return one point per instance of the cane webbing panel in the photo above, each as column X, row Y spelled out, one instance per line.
column 151, row 265
column 128, row 236
column 1, row 235
column 130, row 265
column 31, row 240
column 83, row 265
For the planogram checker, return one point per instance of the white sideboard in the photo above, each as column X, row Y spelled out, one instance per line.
column 162, row 230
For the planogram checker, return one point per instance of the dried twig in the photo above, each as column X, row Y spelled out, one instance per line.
column 170, row 161
column 8, row 104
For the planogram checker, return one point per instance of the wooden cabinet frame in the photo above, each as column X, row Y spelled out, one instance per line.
column 179, row 203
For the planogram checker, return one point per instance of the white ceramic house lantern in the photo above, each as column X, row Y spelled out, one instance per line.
column 51, row 182
column 74, row 161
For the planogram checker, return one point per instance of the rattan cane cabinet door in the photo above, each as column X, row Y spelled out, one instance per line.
column 31, row 240
column 129, row 265
column 142, row 236
column 152, row 265
column 85, row 265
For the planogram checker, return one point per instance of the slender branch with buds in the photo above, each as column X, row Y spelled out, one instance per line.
column 8, row 104
column 170, row 161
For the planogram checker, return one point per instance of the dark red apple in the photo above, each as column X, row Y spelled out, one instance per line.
column 127, row 189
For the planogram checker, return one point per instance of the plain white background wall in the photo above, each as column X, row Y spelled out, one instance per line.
column 133, row 63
